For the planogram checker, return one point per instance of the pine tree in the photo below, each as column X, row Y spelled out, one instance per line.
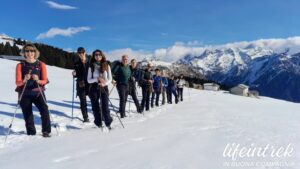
column 7, row 49
column 1, row 48
column 16, row 51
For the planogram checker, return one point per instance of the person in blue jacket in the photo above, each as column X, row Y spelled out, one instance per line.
column 157, row 88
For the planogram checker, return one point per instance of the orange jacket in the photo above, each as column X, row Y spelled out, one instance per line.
column 43, row 78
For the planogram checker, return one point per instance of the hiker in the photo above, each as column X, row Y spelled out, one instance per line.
column 146, row 84
column 31, row 76
column 135, row 77
column 80, row 72
column 157, row 88
column 171, row 90
column 180, row 84
column 164, row 87
column 121, row 75
column 99, row 76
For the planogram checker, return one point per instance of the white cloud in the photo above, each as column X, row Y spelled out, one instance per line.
column 277, row 45
column 170, row 54
column 177, row 51
column 62, row 32
column 69, row 50
column 196, row 48
column 133, row 54
column 56, row 5
column 164, row 34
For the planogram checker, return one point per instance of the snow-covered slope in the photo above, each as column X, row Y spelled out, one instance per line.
column 4, row 38
column 190, row 135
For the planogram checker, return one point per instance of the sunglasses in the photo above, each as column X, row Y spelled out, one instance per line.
column 27, row 51
column 81, row 52
column 98, row 55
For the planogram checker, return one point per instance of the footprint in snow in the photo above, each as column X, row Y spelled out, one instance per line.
column 61, row 159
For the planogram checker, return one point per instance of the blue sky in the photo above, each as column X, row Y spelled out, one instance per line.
column 148, row 24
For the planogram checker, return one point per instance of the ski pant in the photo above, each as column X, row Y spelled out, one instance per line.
column 123, row 91
column 163, row 96
column 171, row 91
column 81, row 93
column 101, row 112
column 26, row 106
column 146, row 91
column 155, row 95
column 180, row 93
column 132, row 93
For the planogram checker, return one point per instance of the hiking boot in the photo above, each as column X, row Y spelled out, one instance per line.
column 86, row 120
column 98, row 124
column 46, row 134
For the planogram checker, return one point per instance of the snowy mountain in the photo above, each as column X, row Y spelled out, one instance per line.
column 272, row 74
column 192, row 134
column 5, row 38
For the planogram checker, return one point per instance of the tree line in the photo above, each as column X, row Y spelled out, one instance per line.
column 58, row 57
column 50, row 55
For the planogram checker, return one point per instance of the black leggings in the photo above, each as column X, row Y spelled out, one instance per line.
column 26, row 106
column 101, row 112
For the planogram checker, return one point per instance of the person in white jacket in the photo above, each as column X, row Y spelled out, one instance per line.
column 99, row 76
column 180, row 84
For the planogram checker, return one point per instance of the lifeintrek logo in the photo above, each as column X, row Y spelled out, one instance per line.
column 252, row 155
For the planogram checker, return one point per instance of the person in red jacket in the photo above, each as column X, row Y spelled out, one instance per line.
column 31, row 76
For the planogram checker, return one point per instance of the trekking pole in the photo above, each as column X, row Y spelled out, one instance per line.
column 45, row 101
column 189, row 93
column 17, row 107
column 111, row 89
column 73, row 98
column 114, row 108
column 130, row 104
column 135, row 90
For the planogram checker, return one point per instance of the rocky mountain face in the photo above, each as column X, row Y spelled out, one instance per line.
column 273, row 74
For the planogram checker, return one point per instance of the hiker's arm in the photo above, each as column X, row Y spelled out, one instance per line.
column 44, row 77
column 109, row 76
column 89, row 77
column 19, row 80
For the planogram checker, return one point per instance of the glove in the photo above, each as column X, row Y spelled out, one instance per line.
column 27, row 77
column 35, row 77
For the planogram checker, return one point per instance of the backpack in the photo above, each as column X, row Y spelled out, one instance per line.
column 114, row 66
column 35, row 69
column 140, row 77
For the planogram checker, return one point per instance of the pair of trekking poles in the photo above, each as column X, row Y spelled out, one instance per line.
column 107, row 94
column 18, row 106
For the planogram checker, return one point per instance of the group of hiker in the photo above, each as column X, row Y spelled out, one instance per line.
column 92, row 79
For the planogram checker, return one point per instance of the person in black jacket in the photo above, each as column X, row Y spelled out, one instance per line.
column 171, row 89
column 135, row 76
column 81, row 69
column 147, row 88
